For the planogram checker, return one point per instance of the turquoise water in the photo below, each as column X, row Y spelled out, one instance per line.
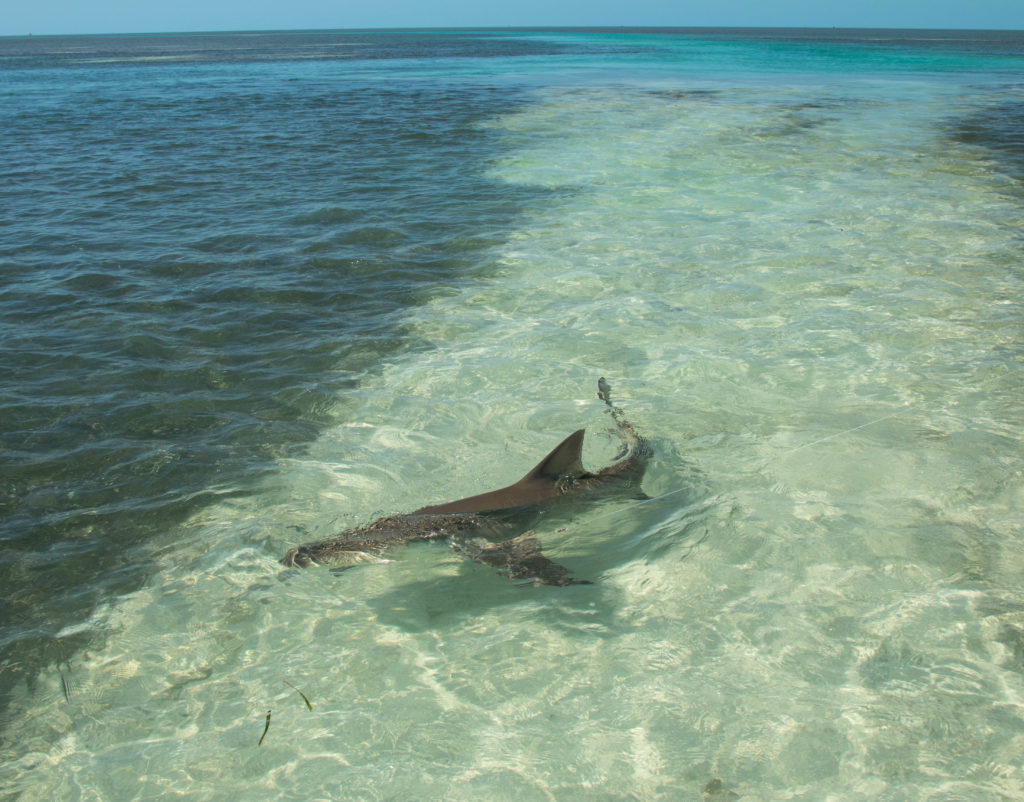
column 259, row 289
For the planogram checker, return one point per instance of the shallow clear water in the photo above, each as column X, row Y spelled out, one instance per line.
column 797, row 261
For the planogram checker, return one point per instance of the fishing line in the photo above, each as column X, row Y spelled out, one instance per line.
column 670, row 493
column 846, row 431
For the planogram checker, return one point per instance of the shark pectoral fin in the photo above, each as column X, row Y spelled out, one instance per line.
column 520, row 558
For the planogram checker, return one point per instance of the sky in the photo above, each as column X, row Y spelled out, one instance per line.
column 138, row 16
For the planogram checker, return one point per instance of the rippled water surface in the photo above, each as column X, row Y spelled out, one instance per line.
column 257, row 289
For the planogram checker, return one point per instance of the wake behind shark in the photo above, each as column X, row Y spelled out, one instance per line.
column 489, row 527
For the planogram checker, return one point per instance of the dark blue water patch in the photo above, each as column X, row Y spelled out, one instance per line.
column 193, row 274
column 999, row 129
column 271, row 46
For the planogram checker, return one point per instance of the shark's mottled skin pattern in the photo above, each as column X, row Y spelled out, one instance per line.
column 484, row 527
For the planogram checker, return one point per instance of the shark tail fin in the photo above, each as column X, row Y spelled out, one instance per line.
column 566, row 459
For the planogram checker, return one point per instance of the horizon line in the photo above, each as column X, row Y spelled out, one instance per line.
column 512, row 28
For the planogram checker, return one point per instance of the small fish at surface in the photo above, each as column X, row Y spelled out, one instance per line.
column 65, row 685
column 493, row 528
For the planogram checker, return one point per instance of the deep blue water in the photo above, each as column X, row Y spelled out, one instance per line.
column 198, row 259
column 211, row 246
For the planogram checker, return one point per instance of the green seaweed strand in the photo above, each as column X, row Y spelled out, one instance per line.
column 265, row 728
column 300, row 693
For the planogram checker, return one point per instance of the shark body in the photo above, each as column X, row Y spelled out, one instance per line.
column 489, row 527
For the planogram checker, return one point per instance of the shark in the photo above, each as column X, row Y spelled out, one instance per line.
column 494, row 528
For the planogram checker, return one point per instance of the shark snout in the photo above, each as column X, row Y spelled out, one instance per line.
column 297, row 558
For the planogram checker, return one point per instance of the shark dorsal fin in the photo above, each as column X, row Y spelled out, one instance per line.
column 565, row 460
column 539, row 484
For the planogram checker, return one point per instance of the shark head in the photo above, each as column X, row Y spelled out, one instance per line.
column 298, row 558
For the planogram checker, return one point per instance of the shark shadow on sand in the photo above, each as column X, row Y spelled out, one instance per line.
column 494, row 528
